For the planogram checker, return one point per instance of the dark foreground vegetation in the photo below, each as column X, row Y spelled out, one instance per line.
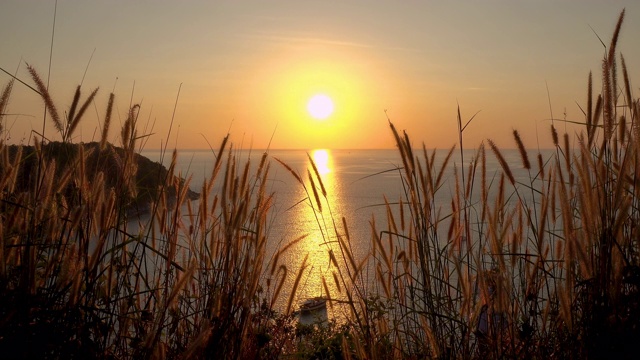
column 542, row 268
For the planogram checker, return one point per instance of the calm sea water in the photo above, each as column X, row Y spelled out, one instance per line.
column 357, row 182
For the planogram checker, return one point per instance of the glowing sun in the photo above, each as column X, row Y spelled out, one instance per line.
column 320, row 106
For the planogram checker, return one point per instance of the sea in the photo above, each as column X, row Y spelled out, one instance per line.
column 358, row 184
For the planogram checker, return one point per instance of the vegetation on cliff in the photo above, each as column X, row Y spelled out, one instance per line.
column 150, row 176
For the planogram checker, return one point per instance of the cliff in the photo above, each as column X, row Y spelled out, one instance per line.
column 149, row 176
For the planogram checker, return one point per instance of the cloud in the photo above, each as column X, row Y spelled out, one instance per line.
column 288, row 39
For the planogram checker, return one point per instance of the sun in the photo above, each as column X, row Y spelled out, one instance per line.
column 320, row 106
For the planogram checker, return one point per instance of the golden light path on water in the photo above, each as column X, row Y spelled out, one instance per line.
column 321, row 225
column 322, row 160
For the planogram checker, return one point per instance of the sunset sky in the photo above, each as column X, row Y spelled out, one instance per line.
column 250, row 67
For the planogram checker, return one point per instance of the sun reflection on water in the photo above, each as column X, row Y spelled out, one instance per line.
column 319, row 225
column 322, row 160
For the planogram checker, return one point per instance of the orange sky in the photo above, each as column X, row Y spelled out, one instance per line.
column 249, row 67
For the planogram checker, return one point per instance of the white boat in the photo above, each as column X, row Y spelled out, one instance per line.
column 313, row 304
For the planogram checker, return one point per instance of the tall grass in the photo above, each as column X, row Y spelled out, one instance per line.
column 538, row 260
column 546, row 267
column 84, row 274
